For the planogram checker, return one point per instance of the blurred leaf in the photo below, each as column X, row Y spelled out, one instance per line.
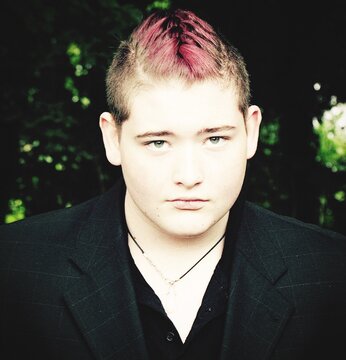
column 17, row 209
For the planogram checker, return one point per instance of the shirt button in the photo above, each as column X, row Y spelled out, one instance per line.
column 208, row 309
column 170, row 336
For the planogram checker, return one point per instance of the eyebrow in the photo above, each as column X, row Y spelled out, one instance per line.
column 170, row 133
column 215, row 129
column 155, row 134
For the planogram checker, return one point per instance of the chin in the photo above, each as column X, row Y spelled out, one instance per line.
column 188, row 230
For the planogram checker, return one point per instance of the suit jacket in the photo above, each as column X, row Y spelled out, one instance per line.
column 66, row 290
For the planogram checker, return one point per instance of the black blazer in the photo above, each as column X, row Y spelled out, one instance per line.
column 66, row 291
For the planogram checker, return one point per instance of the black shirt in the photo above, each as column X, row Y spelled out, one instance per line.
column 204, row 341
column 206, row 335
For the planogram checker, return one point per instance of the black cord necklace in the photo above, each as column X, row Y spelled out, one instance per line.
column 170, row 281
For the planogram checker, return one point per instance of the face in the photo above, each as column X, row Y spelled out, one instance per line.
column 183, row 153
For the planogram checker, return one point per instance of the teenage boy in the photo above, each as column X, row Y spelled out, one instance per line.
column 172, row 263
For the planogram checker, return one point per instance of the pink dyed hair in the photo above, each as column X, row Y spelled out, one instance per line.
column 173, row 45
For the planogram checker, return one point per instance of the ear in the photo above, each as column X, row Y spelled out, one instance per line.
column 252, row 122
column 111, row 137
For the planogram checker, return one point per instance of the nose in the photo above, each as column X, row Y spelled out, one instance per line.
column 188, row 171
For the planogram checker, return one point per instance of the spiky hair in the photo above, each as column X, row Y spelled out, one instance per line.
column 173, row 45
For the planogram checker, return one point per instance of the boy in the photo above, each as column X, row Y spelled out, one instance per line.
column 172, row 263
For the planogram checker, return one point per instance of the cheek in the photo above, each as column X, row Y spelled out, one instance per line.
column 143, row 178
column 138, row 163
column 227, row 176
column 230, row 165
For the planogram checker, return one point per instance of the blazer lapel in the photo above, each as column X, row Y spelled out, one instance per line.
column 102, row 300
column 257, row 312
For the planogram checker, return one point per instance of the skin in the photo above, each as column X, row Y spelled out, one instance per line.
column 186, row 162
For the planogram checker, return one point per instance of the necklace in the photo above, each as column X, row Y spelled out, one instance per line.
column 172, row 282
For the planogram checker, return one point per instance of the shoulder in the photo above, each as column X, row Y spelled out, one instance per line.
column 60, row 229
column 46, row 242
column 293, row 235
column 311, row 260
column 272, row 220
column 48, row 226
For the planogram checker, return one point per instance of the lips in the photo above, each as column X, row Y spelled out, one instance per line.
column 188, row 204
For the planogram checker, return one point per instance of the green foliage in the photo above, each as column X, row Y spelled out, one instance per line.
column 340, row 195
column 17, row 209
column 265, row 183
column 59, row 143
column 159, row 5
column 326, row 217
column 331, row 132
column 269, row 135
column 74, row 52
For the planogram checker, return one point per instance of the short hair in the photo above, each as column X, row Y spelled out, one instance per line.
column 174, row 44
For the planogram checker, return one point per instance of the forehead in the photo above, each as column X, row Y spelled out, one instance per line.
column 174, row 105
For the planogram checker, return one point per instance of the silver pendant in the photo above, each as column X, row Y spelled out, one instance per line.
column 171, row 297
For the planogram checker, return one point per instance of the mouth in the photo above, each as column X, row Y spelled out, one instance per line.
column 188, row 204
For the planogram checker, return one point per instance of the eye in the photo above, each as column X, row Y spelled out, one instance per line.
column 217, row 140
column 156, row 144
